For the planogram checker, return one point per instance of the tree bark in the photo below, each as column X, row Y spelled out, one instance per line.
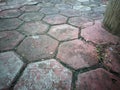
column 112, row 17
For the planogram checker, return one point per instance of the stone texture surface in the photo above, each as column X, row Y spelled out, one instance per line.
column 45, row 75
column 49, row 10
column 33, row 16
column 70, row 12
column 80, row 21
column 77, row 54
column 97, row 80
column 32, row 28
column 9, row 39
column 112, row 58
column 37, row 47
column 10, row 65
column 55, row 19
column 64, row 32
column 54, row 33
column 30, row 8
column 98, row 35
column 9, row 24
column 10, row 13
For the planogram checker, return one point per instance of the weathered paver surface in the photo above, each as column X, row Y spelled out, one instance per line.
column 37, row 47
column 64, row 32
column 77, row 54
column 57, row 45
column 10, row 65
column 33, row 28
column 45, row 75
column 9, row 39
column 97, row 79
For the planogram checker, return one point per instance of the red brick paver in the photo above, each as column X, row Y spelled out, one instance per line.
column 62, row 44
column 45, row 75
column 64, row 32
column 97, row 80
column 37, row 47
column 98, row 35
column 32, row 28
column 77, row 54
column 9, row 39
column 55, row 19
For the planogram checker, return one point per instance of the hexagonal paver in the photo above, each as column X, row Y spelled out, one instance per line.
column 70, row 12
column 32, row 16
column 112, row 58
column 29, row 8
column 80, row 21
column 98, row 79
column 98, row 35
column 37, row 47
column 77, row 54
column 63, row 6
column 10, row 13
column 10, row 65
column 31, row 28
column 55, row 19
column 9, row 39
column 45, row 75
column 64, row 32
column 9, row 24
column 49, row 10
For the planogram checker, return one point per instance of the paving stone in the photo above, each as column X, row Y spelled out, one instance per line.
column 10, row 65
column 32, row 28
column 37, row 47
column 32, row 16
column 10, row 13
column 29, row 8
column 9, row 24
column 45, row 75
column 77, row 54
column 98, row 79
column 21, row 2
column 9, row 39
column 95, row 15
column 98, row 35
column 63, row 6
column 55, row 1
column 112, row 58
column 80, row 21
column 49, row 10
column 55, row 19
column 64, row 32
column 70, row 12
column 81, row 8
column 46, row 5
column 100, row 9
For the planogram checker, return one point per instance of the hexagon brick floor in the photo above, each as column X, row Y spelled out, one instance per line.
column 57, row 45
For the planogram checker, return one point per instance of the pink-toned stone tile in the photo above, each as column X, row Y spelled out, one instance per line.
column 37, row 47
column 77, row 54
column 55, row 19
column 64, row 32
column 9, row 39
column 80, row 21
column 98, row 79
column 32, row 28
column 45, row 75
column 98, row 35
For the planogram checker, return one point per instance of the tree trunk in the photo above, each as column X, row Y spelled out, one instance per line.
column 112, row 17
